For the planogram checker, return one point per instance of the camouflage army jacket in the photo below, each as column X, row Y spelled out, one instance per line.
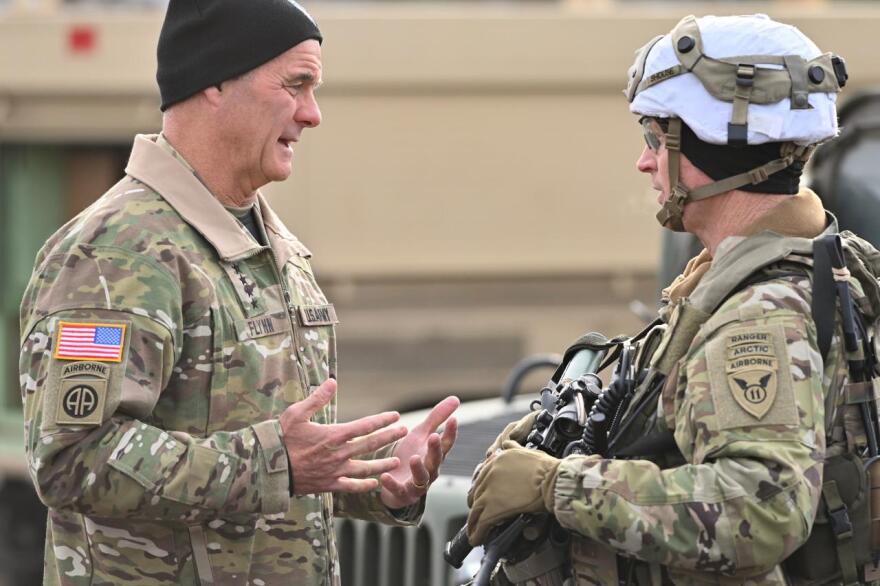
column 160, row 343
column 747, row 408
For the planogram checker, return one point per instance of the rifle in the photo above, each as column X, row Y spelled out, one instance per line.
column 575, row 417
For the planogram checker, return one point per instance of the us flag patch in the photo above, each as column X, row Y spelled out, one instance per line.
column 77, row 341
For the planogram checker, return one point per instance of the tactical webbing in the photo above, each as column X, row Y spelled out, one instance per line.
column 738, row 127
column 201, row 560
column 753, row 177
column 717, row 75
column 672, row 211
column 800, row 93
column 824, row 297
column 739, row 79
column 843, row 532
column 544, row 567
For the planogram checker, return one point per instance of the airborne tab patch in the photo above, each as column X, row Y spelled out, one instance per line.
column 750, row 378
column 84, row 341
column 752, row 369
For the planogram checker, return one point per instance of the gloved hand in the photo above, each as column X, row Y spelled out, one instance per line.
column 513, row 481
column 517, row 431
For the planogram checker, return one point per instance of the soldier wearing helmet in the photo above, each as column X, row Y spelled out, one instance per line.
column 716, row 476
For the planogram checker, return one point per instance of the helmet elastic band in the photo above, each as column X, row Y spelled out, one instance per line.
column 672, row 213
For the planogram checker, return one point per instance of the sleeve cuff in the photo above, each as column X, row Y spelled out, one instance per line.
column 412, row 514
column 567, row 488
column 274, row 474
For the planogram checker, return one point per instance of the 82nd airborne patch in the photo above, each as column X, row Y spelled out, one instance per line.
column 82, row 393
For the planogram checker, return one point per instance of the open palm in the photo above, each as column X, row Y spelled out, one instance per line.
column 421, row 452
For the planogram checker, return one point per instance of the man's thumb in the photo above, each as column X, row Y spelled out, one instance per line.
column 319, row 398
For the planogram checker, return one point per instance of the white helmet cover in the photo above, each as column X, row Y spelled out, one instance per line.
column 736, row 39
column 736, row 81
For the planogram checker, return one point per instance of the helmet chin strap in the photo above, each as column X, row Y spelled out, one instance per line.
column 672, row 213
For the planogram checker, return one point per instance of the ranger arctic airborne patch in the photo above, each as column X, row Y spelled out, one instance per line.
column 751, row 382
column 751, row 371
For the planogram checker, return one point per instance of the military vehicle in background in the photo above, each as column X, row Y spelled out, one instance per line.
column 470, row 199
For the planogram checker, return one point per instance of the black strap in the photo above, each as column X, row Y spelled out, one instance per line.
column 654, row 443
column 824, row 306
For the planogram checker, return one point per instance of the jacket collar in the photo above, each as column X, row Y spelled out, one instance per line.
column 165, row 171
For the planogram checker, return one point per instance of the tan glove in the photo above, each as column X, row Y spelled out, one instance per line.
column 514, row 481
column 517, row 431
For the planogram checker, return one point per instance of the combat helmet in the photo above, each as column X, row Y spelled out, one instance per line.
column 736, row 81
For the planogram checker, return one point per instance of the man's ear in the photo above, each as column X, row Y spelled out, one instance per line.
column 213, row 94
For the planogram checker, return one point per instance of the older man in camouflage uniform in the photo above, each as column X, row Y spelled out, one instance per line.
column 749, row 405
column 178, row 356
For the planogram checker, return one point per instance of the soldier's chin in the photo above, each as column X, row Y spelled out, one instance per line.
column 280, row 171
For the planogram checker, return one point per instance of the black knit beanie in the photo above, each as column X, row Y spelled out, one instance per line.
column 206, row 42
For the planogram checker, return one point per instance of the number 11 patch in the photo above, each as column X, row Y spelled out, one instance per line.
column 83, row 341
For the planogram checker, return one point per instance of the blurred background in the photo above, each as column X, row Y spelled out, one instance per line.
column 470, row 198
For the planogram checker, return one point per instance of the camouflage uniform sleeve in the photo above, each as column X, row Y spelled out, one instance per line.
column 369, row 506
column 748, row 418
column 92, row 443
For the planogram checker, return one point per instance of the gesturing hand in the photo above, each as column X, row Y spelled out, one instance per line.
column 421, row 452
column 322, row 456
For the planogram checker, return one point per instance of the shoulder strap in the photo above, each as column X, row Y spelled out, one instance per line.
column 824, row 291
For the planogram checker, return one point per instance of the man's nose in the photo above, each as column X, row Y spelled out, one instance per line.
column 647, row 161
column 308, row 114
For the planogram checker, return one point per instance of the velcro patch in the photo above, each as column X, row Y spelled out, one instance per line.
column 92, row 369
column 90, row 341
column 749, row 362
column 81, row 401
column 318, row 315
column 754, row 390
column 750, row 378
column 259, row 327
column 750, row 349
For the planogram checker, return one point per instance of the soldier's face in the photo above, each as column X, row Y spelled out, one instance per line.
column 655, row 159
column 266, row 111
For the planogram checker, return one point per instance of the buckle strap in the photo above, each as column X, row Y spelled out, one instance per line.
column 754, row 176
column 842, row 528
column 202, row 561
column 738, row 127
column 758, row 175
column 673, row 209
column 800, row 91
